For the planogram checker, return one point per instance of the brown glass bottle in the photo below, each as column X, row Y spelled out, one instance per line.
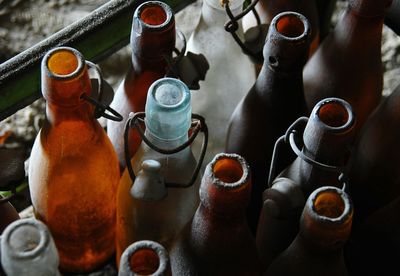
column 325, row 226
column 145, row 258
column 8, row 214
column 73, row 168
column 152, row 40
column 374, row 247
column 270, row 8
column 374, row 173
column 348, row 63
column 327, row 139
column 218, row 241
column 272, row 104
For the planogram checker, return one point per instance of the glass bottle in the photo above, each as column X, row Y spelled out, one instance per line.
column 272, row 104
column 218, row 241
column 325, row 227
column 374, row 246
column 145, row 258
column 230, row 76
column 268, row 9
column 8, row 214
column 148, row 210
column 27, row 248
column 374, row 167
column 327, row 140
column 348, row 63
column 73, row 171
column 152, row 41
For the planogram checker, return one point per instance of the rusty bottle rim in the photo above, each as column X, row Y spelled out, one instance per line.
column 144, row 17
column 132, row 261
column 301, row 27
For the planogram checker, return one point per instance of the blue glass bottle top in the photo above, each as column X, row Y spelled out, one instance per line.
column 168, row 109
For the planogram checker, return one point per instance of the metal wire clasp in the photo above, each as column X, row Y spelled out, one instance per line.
column 252, row 47
column 290, row 137
column 100, row 108
column 198, row 124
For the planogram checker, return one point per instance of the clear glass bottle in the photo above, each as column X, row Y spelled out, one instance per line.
column 218, row 241
column 73, row 168
column 274, row 102
column 145, row 258
column 152, row 41
column 27, row 248
column 325, row 227
column 139, row 215
column 229, row 78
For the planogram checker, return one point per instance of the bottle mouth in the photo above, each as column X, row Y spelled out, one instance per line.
column 27, row 238
column 154, row 15
column 145, row 258
column 335, row 114
column 291, row 25
column 64, row 63
column 169, row 93
column 230, row 171
column 330, row 204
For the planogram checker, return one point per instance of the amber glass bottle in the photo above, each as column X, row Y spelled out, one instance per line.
column 325, row 226
column 218, row 241
column 145, row 258
column 327, row 139
column 348, row 63
column 73, row 171
column 8, row 214
column 272, row 104
column 374, row 246
column 268, row 9
column 374, row 172
column 152, row 39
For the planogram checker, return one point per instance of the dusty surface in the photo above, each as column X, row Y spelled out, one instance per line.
column 26, row 22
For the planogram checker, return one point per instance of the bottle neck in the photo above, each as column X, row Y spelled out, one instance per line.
column 369, row 8
column 80, row 112
column 166, row 144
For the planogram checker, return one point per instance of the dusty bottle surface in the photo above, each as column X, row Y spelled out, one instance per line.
column 348, row 63
column 230, row 76
column 27, row 248
column 374, row 170
column 268, row 9
column 152, row 40
column 272, row 104
column 145, row 258
column 73, row 172
column 142, row 213
column 327, row 139
column 218, row 241
column 374, row 246
column 325, row 227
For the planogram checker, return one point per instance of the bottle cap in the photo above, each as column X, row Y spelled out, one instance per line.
column 168, row 109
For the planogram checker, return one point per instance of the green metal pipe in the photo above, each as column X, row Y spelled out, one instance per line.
column 96, row 36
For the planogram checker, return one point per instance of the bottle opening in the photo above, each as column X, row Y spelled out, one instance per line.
column 329, row 204
column 290, row 25
column 333, row 114
column 168, row 94
column 25, row 239
column 228, row 170
column 63, row 62
column 144, row 261
column 153, row 15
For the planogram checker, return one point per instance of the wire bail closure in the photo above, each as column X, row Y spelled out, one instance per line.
column 13, row 191
column 254, row 37
column 100, row 108
column 198, row 125
column 290, row 137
